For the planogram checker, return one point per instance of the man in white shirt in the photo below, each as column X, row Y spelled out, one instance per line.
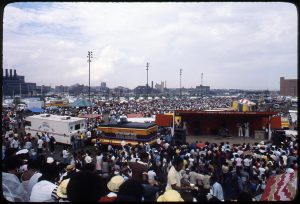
column 174, row 176
column 238, row 161
column 216, row 189
column 15, row 143
column 65, row 155
column 40, row 143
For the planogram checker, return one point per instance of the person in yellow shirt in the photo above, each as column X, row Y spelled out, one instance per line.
column 82, row 137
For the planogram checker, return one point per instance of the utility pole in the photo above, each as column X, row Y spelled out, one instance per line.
column 201, row 79
column 90, row 55
column 20, row 91
column 147, row 65
column 180, row 81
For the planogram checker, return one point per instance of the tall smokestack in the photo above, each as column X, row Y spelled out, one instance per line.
column 10, row 72
column 15, row 73
column 165, row 84
column 6, row 72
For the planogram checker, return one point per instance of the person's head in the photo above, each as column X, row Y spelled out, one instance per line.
column 85, row 186
column 11, row 164
column 50, row 172
column 131, row 190
column 144, row 156
column 115, row 182
column 244, row 197
column 178, row 163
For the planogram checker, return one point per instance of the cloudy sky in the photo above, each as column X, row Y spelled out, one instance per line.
column 235, row 45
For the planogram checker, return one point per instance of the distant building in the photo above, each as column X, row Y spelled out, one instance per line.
column 202, row 89
column 16, row 85
column 142, row 90
column 160, row 86
column 43, row 89
column 139, row 90
column 78, row 89
column 288, row 87
column 120, row 91
column 103, row 85
column 61, row 89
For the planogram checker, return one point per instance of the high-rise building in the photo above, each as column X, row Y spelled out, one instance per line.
column 288, row 87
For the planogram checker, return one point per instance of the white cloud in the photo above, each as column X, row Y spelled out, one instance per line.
column 49, row 44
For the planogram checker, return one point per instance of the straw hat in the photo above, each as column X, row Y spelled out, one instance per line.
column 70, row 167
column 115, row 183
column 170, row 196
column 62, row 188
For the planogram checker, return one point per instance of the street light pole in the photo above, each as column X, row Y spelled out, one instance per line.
column 90, row 55
column 180, row 81
column 147, row 65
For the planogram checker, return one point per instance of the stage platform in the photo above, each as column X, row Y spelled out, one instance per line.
column 218, row 139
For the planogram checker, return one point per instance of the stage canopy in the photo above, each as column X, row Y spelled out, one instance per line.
column 90, row 116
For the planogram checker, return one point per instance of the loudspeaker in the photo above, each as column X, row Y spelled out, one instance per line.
column 179, row 136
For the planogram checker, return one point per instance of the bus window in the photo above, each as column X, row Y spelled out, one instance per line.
column 27, row 123
column 71, row 127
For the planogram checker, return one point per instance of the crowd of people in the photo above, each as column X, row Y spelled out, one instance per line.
column 200, row 171
column 148, row 107
column 144, row 172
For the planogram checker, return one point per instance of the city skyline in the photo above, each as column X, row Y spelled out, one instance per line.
column 228, row 42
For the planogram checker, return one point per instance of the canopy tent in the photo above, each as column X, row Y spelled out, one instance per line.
column 36, row 110
column 281, row 187
column 82, row 103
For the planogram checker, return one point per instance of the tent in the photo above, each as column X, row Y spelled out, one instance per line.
column 281, row 187
column 36, row 110
column 247, row 102
column 82, row 103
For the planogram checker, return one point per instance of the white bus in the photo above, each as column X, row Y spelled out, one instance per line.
column 62, row 127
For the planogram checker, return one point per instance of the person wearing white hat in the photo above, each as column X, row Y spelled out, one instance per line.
column 62, row 190
column 45, row 189
column 113, row 185
column 170, row 196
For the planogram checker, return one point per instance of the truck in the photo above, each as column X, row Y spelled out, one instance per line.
column 61, row 127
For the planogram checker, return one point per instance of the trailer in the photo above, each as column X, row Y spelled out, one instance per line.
column 129, row 132
column 61, row 127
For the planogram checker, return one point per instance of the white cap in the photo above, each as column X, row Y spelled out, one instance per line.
column 88, row 159
column 50, row 160
column 23, row 151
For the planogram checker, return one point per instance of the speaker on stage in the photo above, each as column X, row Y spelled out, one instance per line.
column 179, row 136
